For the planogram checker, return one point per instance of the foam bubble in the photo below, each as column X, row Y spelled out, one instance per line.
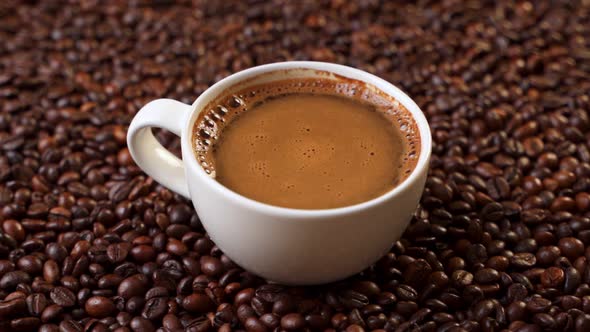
column 235, row 101
column 220, row 109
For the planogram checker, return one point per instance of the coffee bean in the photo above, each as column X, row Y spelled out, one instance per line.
column 583, row 201
column 461, row 278
column 582, row 322
column 180, row 214
column 36, row 303
column 499, row 263
column 99, row 306
column 351, row 299
column 118, row 252
column 571, row 247
column 62, row 296
column 143, row 253
column 406, row 293
column 141, row 324
column 367, row 288
column 176, row 247
column 354, row 328
column 417, row 272
column 486, row 275
column 284, row 305
column 440, row 190
column 254, row 324
column 552, row 277
column 523, row 260
column 134, row 285
column 11, row 307
column 270, row 292
column 11, row 279
column 211, row 266
column 406, row 308
column 197, row 303
column 272, row 321
column 51, row 312
column 517, row 291
column 492, row 212
column 244, row 311
column 70, row 326
column 25, row 324
column 171, row 322
column 155, row 308
column 14, row 229
column 547, row 255
column 292, row 322
column 244, row 296
column 538, row 304
column 572, row 280
column 30, row 264
column 516, row 311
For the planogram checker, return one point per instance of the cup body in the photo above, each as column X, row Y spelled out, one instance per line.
column 293, row 246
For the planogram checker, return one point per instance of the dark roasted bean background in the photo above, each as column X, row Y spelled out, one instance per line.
column 502, row 237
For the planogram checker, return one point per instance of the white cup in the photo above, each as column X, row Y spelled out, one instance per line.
column 289, row 246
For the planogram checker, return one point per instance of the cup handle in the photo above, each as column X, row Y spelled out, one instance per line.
column 148, row 153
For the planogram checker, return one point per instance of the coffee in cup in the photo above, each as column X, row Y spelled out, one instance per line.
column 307, row 143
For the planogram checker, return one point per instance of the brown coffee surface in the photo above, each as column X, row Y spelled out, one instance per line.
column 308, row 144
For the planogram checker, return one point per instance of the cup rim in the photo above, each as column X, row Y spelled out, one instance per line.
column 386, row 87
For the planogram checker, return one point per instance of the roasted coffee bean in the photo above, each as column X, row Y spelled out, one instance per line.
column 352, row 299
column 51, row 312
column 36, row 303
column 516, row 311
column 260, row 306
column 211, row 266
column 547, row 255
column 571, row 247
column 244, row 311
column 284, row 305
column 552, row 277
column 25, row 324
column 99, row 306
column 62, row 296
column 155, row 308
column 133, row 286
column 538, row 304
column 486, row 275
column 270, row 292
column 70, row 326
column 406, row 293
column 573, row 279
column 461, row 278
column 292, row 322
column 134, row 304
column 523, row 260
column 272, row 321
column 141, row 324
column 118, row 252
column 11, row 279
column 11, row 307
column 417, row 272
column 197, row 303
column 367, row 288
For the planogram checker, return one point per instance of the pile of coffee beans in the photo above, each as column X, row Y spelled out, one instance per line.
column 501, row 240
